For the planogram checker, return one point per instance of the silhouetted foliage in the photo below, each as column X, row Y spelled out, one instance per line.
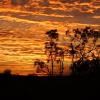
column 83, row 43
column 50, row 47
column 82, row 47
column 7, row 72
column 41, row 67
column 85, row 52
column 86, row 67
column 52, row 34
column 53, row 51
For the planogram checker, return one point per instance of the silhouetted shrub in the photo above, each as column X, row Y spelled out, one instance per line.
column 86, row 67
column 7, row 72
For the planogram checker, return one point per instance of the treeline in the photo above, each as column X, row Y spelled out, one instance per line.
column 82, row 47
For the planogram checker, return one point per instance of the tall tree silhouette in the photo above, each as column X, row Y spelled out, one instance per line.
column 51, row 47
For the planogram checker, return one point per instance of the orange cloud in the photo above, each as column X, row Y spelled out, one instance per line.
column 97, row 17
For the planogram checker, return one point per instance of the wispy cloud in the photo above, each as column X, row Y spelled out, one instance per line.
column 97, row 17
column 59, row 10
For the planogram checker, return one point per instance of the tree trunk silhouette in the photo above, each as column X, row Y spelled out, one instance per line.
column 52, row 65
column 62, row 66
column 72, row 58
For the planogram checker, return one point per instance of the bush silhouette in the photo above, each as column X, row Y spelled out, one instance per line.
column 86, row 67
column 7, row 72
column 41, row 66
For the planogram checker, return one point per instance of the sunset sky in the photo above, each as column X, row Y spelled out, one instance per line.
column 23, row 24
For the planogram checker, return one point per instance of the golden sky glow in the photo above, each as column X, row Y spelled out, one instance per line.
column 23, row 24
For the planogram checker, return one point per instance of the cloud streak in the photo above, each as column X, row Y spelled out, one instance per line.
column 70, row 11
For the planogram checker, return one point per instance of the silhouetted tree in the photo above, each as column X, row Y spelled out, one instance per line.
column 50, row 47
column 54, row 52
column 87, row 50
column 7, row 72
column 83, row 49
column 80, row 43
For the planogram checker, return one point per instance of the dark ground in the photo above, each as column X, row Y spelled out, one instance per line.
column 83, row 88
